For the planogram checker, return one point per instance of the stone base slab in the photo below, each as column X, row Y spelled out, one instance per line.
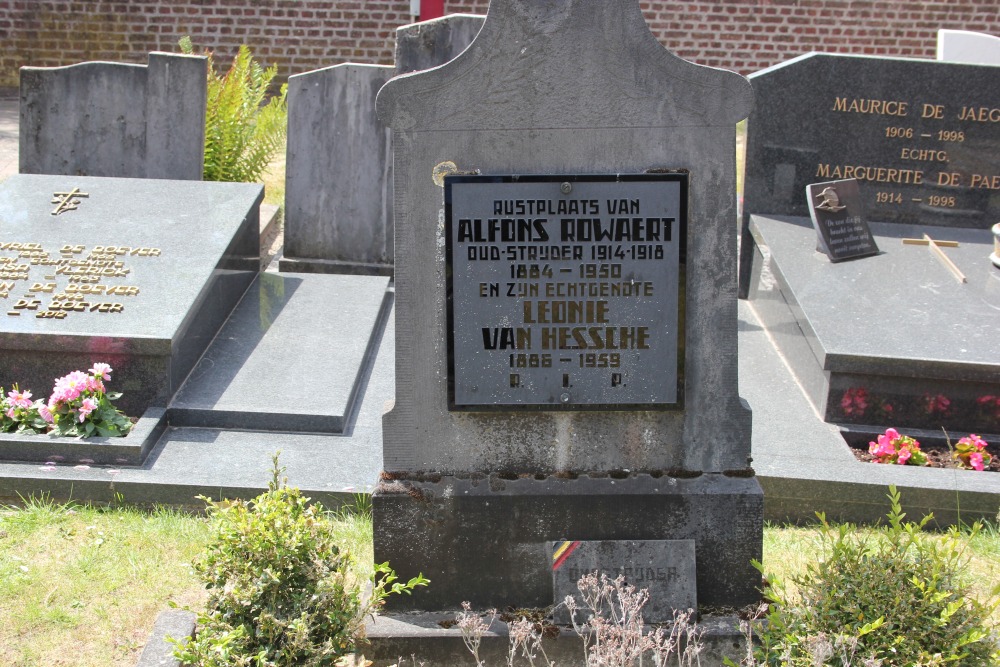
column 419, row 639
column 484, row 540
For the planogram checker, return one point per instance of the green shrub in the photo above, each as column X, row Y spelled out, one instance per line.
column 242, row 133
column 281, row 592
column 890, row 597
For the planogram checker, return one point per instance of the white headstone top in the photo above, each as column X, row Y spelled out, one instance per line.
column 965, row 46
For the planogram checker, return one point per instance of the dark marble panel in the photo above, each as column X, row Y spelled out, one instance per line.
column 921, row 136
column 936, row 125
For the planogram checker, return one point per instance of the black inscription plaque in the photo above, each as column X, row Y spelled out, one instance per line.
column 565, row 292
column 838, row 216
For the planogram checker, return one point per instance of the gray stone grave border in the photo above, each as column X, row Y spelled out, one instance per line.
column 805, row 466
column 130, row 450
column 433, row 639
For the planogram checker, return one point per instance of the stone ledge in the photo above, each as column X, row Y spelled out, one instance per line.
column 158, row 651
column 128, row 451
column 420, row 637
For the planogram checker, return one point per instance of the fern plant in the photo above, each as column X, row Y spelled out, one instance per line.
column 242, row 132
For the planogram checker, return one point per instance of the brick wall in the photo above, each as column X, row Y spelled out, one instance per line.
column 299, row 35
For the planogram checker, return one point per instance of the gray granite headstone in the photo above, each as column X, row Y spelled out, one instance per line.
column 665, row 568
column 431, row 43
column 471, row 497
column 338, row 192
column 115, row 119
column 138, row 273
column 338, row 204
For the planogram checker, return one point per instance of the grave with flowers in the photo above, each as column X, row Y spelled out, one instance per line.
column 898, row 339
column 897, row 351
column 111, row 290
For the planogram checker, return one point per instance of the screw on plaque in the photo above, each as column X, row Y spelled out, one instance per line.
column 564, row 397
column 566, row 188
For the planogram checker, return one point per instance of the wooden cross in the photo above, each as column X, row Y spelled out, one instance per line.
column 935, row 247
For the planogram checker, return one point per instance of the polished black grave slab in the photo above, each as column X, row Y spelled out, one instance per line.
column 137, row 273
column 892, row 340
column 292, row 356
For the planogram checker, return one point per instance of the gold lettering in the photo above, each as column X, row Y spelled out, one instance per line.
column 983, row 181
column 934, row 111
column 980, row 114
column 873, row 107
column 948, row 178
column 873, row 174
column 923, row 154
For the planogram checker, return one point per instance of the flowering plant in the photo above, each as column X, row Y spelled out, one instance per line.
column 970, row 452
column 80, row 406
column 895, row 448
column 18, row 413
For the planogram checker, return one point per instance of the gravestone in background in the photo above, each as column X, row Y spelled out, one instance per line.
column 138, row 273
column 964, row 46
column 472, row 495
column 338, row 208
column 115, row 119
column 884, row 340
column 338, row 178
column 431, row 43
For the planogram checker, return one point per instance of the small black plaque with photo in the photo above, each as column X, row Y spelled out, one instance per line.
column 841, row 229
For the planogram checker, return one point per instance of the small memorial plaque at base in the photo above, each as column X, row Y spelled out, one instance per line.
column 666, row 568
column 837, row 215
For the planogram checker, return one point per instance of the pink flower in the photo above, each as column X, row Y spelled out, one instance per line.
column 69, row 387
column 45, row 412
column 87, row 406
column 976, row 460
column 904, row 456
column 20, row 399
column 10, row 413
column 102, row 370
column 885, row 446
column 976, row 441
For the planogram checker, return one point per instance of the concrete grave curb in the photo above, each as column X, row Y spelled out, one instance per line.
column 158, row 651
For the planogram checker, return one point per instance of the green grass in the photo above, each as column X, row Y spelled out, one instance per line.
column 82, row 586
column 274, row 178
column 787, row 550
